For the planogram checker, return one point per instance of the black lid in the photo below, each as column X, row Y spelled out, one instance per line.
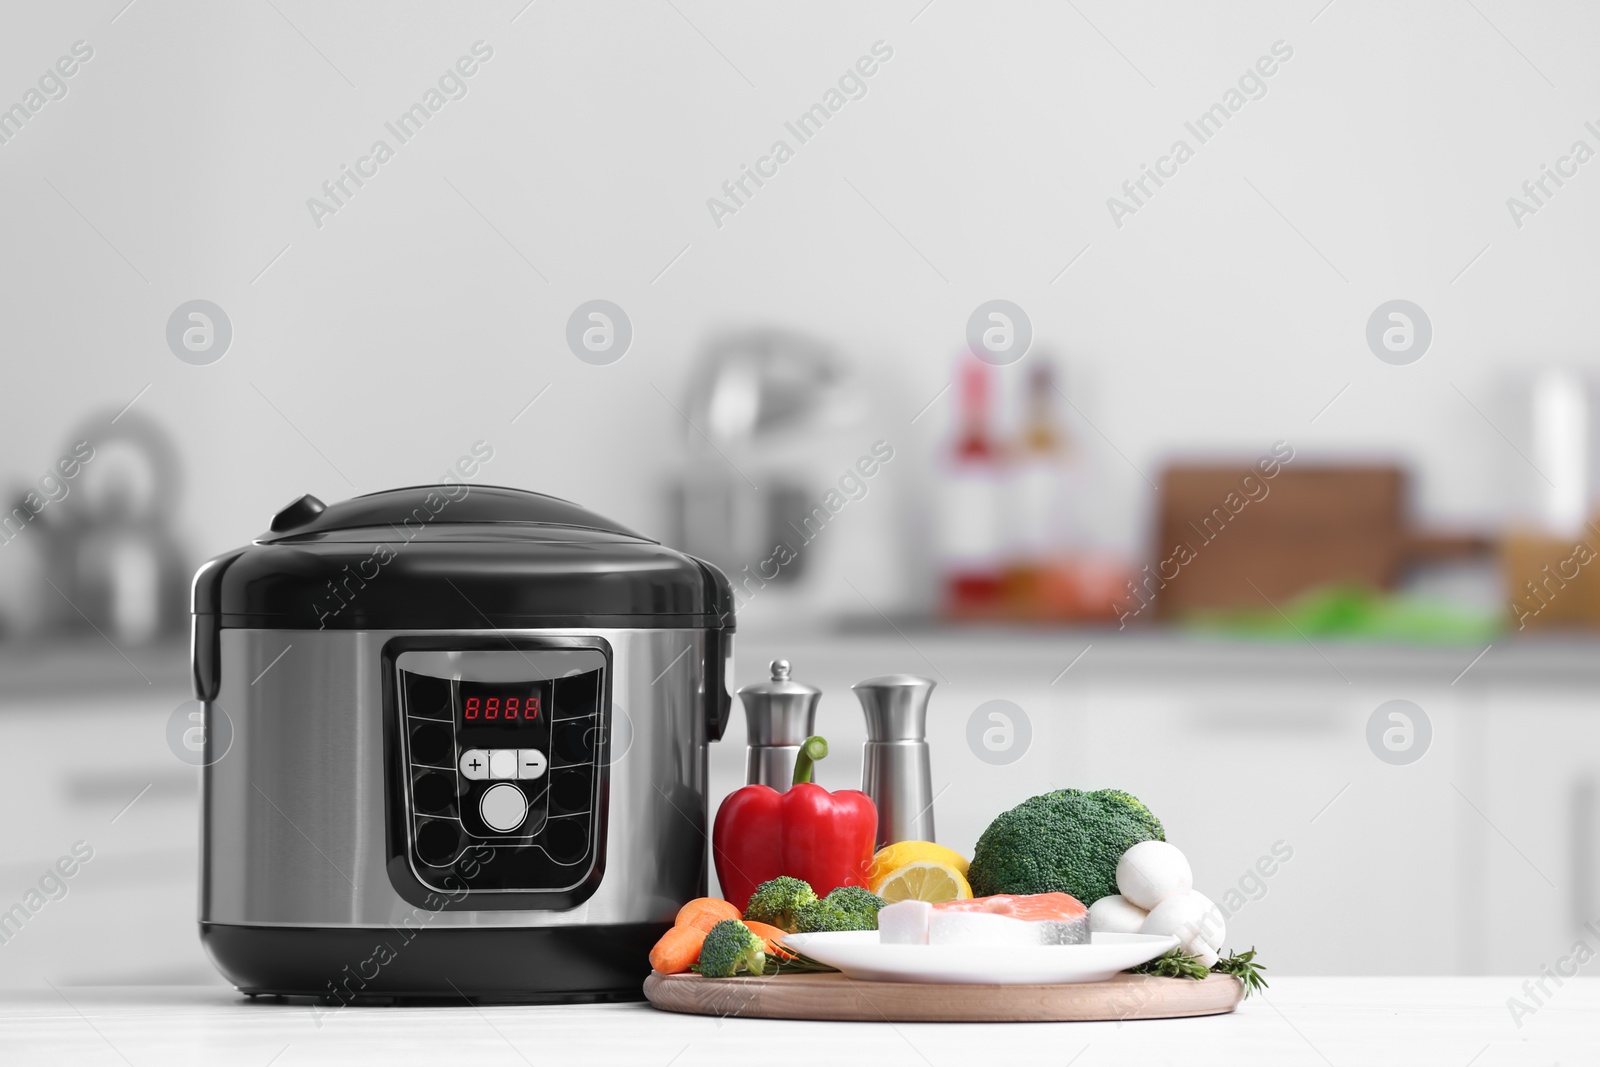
column 456, row 556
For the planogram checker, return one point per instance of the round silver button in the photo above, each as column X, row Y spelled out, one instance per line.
column 503, row 807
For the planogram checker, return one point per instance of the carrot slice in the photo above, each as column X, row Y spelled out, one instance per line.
column 773, row 936
column 705, row 912
column 678, row 949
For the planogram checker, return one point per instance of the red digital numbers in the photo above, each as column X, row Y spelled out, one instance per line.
column 507, row 709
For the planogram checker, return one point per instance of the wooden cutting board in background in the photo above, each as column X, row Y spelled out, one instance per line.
column 1308, row 526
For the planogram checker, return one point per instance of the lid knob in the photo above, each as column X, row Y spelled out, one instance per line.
column 780, row 670
column 298, row 513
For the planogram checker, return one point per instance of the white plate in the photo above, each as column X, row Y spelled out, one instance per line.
column 859, row 954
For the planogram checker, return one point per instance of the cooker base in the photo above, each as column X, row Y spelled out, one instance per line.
column 363, row 966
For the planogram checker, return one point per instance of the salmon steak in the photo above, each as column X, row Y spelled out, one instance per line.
column 1031, row 907
column 1033, row 919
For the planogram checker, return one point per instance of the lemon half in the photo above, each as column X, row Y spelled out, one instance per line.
column 919, row 870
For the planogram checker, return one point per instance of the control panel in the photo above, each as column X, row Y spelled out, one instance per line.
column 503, row 752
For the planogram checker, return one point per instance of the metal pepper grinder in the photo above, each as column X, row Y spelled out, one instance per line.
column 778, row 716
column 895, row 771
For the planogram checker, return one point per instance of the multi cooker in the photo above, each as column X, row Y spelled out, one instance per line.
column 456, row 747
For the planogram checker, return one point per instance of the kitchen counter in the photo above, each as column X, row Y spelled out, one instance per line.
column 1042, row 654
column 1321, row 1021
column 88, row 666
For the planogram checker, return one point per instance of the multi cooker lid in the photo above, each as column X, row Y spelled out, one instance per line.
column 456, row 556
column 456, row 512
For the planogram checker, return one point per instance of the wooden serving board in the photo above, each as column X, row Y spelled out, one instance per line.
column 833, row 996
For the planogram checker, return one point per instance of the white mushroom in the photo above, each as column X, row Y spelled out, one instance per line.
column 1194, row 921
column 1152, row 871
column 1115, row 915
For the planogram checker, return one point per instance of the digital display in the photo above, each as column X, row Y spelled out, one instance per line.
column 491, row 708
column 511, row 705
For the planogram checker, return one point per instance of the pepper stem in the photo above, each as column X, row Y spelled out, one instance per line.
column 811, row 750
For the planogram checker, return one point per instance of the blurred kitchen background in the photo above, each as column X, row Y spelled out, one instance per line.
column 798, row 403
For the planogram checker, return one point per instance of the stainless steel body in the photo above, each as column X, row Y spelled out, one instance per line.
column 779, row 715
column 296, row 823
column 895, row 768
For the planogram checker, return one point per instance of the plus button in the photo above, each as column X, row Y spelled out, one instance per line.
column 474, row 764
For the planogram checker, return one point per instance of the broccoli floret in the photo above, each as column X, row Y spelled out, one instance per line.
column 846, row 908
column 1068, row 841
column 820, row 917
column 855, row 900
column 776, row 902
column 729, row 948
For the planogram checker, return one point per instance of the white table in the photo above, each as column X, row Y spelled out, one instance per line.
column 1318, row 1021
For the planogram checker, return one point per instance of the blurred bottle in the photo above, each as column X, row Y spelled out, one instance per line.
column 970, row 540
column 1039, row 491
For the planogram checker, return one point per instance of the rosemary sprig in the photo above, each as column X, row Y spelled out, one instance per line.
column 1243, row 966
column 800, row 964
column 1240, row 965
column 1174, row 965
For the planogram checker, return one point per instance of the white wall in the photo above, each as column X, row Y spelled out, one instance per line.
column 405, row 327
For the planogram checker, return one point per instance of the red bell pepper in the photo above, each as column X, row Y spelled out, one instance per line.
column 822, row 838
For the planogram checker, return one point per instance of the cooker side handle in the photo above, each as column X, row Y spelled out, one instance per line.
column 719, row 675
column 205, row 642
column 719, row 650
column 205, row 650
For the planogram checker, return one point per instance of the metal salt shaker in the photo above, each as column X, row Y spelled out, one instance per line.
column 895, row 771
column 779, row 716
